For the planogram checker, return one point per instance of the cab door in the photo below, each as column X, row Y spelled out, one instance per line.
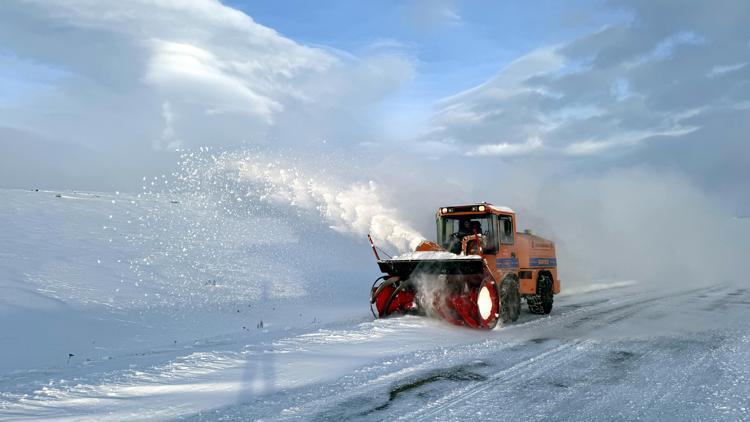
column 506, row 260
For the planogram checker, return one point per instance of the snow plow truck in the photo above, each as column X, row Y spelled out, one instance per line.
column 475, row 275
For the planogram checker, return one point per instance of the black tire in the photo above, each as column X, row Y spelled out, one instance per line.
column 541, row 303
column 510, row 300
column 515, row 300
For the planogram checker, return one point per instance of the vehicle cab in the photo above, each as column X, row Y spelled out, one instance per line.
column 485, row 230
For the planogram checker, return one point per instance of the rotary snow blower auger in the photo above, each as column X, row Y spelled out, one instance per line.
column 476, row 273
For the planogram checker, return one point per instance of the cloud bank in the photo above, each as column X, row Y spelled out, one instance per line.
column 143, row 76
column 668, row 87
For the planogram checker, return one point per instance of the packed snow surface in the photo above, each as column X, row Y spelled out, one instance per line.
column 419, row 255
column 169, row 306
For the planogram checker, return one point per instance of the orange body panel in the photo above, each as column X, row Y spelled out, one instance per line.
column 536, row 254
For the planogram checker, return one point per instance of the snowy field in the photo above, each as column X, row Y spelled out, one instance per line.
column 119, row 307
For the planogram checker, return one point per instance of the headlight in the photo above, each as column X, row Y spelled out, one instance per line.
column 484, row 302
column 444, row 210
column 481, row 208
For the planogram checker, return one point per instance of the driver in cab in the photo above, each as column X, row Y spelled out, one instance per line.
column 466, row 228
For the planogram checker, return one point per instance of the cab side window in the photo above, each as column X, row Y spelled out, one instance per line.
column 506, row 229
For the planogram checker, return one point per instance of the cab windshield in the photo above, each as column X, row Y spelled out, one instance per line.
column 451, row 229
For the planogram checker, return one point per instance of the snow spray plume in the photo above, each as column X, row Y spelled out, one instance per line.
column 355, row 209
column 207, row 244
column 230, row 226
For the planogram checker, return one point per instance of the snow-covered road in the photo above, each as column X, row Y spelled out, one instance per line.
column 615, row 354
column 624, row 353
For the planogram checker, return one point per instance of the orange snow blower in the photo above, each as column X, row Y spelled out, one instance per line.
column 475, row 275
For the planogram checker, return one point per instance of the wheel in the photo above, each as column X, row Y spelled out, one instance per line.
column 487, row 305
column 514, row 302
column 541, row 303
column 510, row 300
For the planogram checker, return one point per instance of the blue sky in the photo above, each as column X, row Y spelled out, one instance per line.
column 461, row 47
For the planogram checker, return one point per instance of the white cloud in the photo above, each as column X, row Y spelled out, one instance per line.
column 666, row 47
column 178, row 69
column 722, row 69
column 430, row 15
column 510, row 79
column 506, row 149
column 501, row 108
column 593, row 147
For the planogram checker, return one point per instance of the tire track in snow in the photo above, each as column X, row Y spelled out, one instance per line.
column 551, row 358
column 370, row 380
column 559, row 354
column 577, row 312
column 432, row 359
column 668, row 376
